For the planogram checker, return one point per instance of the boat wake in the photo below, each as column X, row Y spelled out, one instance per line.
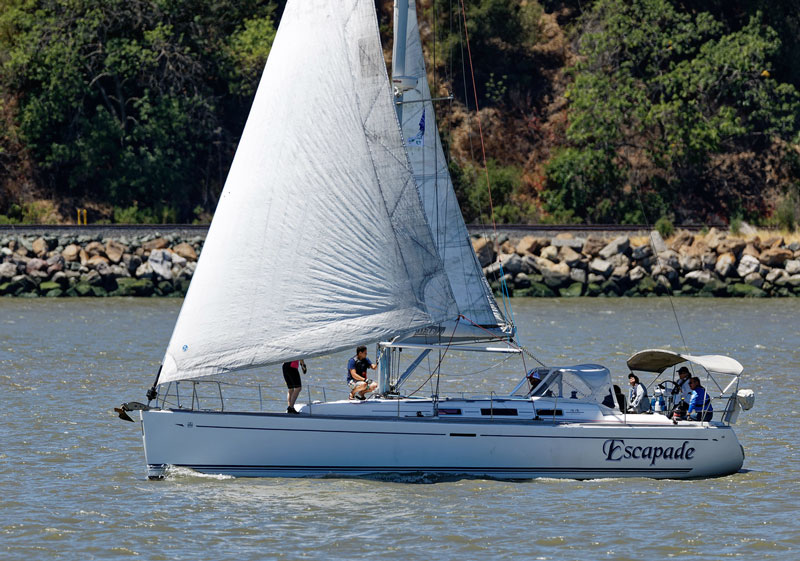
column 175, row 472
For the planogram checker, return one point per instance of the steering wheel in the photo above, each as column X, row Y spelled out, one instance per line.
column 665, row 386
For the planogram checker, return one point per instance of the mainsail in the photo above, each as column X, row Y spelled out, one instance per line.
column 320, row 241
column 471, row 291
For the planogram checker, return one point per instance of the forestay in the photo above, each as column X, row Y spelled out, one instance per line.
column 471, row 291
column 319, row 241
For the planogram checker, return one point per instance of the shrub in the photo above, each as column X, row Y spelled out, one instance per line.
column 162, row 214
column 39, row 212
column 736, row 225
column 786, row 213
column 504, row 181
column 664, row 227
column 584, row 185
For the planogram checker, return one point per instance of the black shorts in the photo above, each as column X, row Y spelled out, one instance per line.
column 292, row 376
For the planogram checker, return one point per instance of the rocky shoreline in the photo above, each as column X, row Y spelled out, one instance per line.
column 710, row 264
column 148, row 264
column 92, row 265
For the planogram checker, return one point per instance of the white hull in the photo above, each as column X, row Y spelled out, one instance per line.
column 270, row 444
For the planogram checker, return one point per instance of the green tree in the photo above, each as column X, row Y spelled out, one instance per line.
column 474, row 185
column 582, row 183
column 658, row 96
column 501, row 33
column 125, row 100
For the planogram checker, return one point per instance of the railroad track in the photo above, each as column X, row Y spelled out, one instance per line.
column 584, row 229
column 515, row 230
column 104, row 229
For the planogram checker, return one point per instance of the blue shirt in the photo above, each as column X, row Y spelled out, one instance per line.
column 358, row 365
column 699, row 401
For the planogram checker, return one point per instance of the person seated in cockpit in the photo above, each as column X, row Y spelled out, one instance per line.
column 681, row 393
column 533, row 379
column 700, row 403
column 620, row 398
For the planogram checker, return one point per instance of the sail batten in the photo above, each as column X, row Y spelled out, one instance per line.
column 319, row 242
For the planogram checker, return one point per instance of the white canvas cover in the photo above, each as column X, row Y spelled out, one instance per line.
column 471, row 291
column 658, row 360
column 746, row 399
column 319, row 242
column 590, row 382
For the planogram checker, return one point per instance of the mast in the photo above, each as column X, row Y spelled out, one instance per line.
column 482, row 319
column 415, row 111
column 400, row 81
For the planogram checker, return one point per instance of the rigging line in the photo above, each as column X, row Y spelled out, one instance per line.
column 437, row 138
column 506, row 297
column 449, row 55
column 441, row 358
column 466, row 100
column 483, row 146
column 508, row 342
column 492, row 367
column 438, row 374
column 655, row 254
column 466, row 95
column 477, row 111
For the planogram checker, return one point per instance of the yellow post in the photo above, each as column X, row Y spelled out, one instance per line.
column 79, row 215
column 84, row 217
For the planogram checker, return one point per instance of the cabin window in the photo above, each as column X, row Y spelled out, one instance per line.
column 449, row 411
column 499, row 412
column 549, row 412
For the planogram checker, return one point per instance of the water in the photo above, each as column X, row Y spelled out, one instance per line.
column 73, row 486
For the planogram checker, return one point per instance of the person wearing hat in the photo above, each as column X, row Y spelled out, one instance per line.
column 638, row 401
column 534, row 377
column 681, row 393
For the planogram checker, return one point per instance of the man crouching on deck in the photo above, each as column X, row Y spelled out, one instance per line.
column 357, row 374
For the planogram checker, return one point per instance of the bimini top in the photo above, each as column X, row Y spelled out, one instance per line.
column 658, row 360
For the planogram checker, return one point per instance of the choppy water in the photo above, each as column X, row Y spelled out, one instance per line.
column 73, row 486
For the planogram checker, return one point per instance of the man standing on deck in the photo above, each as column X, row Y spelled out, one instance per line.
column 293, row 384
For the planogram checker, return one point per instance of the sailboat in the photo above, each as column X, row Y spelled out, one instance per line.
column 340, row 176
